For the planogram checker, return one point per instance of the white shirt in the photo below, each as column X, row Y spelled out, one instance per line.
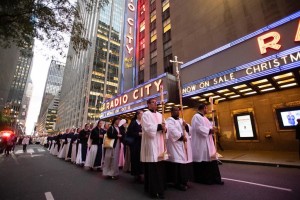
column 202, row 142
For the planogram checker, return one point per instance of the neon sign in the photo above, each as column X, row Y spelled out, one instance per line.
column 130, row 33
column 270, row 40
column 138, row 93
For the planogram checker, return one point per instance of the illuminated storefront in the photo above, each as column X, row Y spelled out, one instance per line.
column 254, row 81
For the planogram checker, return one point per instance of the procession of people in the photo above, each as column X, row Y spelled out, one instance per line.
column 162, row 152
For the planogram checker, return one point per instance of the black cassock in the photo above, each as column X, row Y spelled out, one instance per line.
column 96, row 140
column 69, row 137
column 83, row 139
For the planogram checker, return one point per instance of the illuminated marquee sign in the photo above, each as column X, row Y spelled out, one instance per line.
column 271, row 40
column 135, row 94
column 136, row 98
column 252, row 63
column 236, row 74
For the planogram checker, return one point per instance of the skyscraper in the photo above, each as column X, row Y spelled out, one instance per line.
column 51, row 97
column 93, row 75
column 13, row 104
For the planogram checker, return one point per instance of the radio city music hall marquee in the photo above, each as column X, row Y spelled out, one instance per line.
column 135, row 94
column 270, row 40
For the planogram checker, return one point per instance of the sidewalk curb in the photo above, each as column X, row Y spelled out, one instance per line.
column 260, row 163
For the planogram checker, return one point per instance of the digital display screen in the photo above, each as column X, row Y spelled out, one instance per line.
column 287, row 117
column 245, row 126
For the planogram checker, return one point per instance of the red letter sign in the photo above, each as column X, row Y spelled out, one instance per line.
column 275, row 36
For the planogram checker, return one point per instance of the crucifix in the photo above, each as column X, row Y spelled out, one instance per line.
column 180, row 100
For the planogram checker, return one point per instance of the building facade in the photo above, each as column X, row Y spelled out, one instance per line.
column 241, row 57
column 17, row 86
column 51, row 98
column 9, row 60
column 93, row 75
column 154, row 41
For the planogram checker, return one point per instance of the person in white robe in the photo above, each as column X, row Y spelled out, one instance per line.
column 153, row 150
column 206, row 169
column 179, row 165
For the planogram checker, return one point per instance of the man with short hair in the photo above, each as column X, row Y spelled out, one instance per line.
column 206, row 169
column 179, row 164
column 152, row 148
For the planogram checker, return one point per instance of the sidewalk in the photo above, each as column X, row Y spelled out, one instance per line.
column 270, row 158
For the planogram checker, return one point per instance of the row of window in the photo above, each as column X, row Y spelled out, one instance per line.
column 167, row 45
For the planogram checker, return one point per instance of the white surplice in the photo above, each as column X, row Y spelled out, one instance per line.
column 203, row 147
column 176, row 149
column 152, row 140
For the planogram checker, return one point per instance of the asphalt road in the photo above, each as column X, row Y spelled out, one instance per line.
column 38, row 175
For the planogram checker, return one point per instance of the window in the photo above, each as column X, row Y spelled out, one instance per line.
column 152, row 6
column 141, row 77
column 153, row 16
column 166, row 14
column 153, row 60
column 153, row 46
column 153, row 35
column 142, row 53
column 168, row 65
column 167, row 36
column 153, row 54
column 142, row 26
column 153, row 70
column 153, row 25
column 167, row 25
column 142, row 61
column 142, row 34
column 167, row 45
column 142, row 44
column 165, row 5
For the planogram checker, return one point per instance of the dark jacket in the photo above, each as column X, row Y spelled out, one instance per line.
column 112, row 133
column 96, row 132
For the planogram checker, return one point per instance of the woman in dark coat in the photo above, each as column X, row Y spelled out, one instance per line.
column 111, row 156
column 135, row 133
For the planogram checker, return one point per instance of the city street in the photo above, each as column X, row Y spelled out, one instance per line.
column 39, row 175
